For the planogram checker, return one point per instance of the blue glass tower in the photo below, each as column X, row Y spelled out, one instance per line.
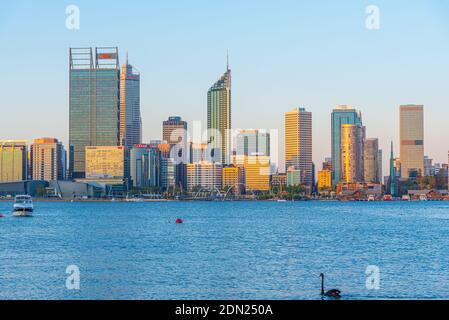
column 93, row 103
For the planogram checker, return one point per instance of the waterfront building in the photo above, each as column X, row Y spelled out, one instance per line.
column 341, row 115
column 233, row 178
column 257, row 171
column 253, row 142
column 298, row 143
column 279, row 180
column 47, row 159
column 105, row 162
column 93, row 103
column 324, row 180
column 155, row 157
column 293, row 177
column 130, row 117
column 219, row 116
column 412, row 140
column 371, row 158
column 13, row 160
column 140, row 165
column 167, row 173
column 204, row 175
column 352, row 154
column 174, row 131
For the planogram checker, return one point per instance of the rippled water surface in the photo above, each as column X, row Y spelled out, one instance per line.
column 225, row 250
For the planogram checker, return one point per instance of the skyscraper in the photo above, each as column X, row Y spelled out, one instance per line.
column 130, row 118
column 412, row 140
column 392, row 173
column 253, row 142
column 372, row 161
column 219, row 116
column 174, row 132
column 13, row 161
column 352, row 154
column 93, row 103
column 341, row 115
column 47, row 159
column 298, row 143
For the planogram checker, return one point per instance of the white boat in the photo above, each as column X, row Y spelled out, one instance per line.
column 23, row 206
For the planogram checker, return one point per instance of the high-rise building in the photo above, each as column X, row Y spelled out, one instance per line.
column 393, row 175
column 130, row 118
column 219, row 116
column 174, row 131
column 140, row 165
column 105, row 162
column 13, row 160
column 155, row 158
column 341, row 115
column 412, row 140
column 327, row 164
column 371, row 158
column 204, row 175
column 93, row 103
column 257, row 171
column 298, row 143
column 352, row 154
column 253, row 142
column 379, row 165
column 47, row 159
column 324, row 180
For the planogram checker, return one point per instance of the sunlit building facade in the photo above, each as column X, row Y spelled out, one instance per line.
column 47, row 157
column 412, row 140
column 204, row 176
column 298, row 143
column 257, row 171
column 341, row 115
column 106, row 162
column 219, row 116
column 352, row 153
column 130, row 117
column 324, row 180
column 233, row 179
column 93, row 103
column 13, row 160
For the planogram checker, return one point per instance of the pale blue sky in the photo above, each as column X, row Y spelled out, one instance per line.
column 285, row 53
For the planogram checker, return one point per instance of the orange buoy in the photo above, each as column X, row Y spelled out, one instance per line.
column 179, row 221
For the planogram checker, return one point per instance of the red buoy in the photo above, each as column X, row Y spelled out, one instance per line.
column 179, row 221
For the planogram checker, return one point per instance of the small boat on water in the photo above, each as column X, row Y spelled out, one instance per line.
column 23, row 206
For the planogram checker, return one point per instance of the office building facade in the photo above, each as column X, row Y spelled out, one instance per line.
column 412, row 140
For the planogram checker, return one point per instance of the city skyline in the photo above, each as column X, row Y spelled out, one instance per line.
column 297, row 70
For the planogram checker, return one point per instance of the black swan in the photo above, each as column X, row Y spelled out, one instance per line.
column 334, row 293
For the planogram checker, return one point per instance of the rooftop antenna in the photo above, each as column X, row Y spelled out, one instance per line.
column 127, row 58
column 227, row 60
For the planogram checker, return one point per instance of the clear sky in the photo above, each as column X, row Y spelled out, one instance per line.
column 283, row 54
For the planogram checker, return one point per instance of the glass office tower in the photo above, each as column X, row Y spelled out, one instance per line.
column 93, row 103
column 219, row 116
